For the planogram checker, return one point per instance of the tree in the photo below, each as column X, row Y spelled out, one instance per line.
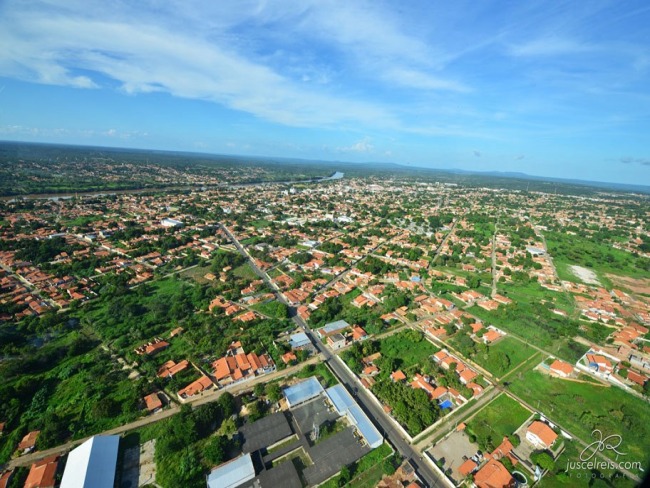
column 258, row 390
column 543, row 459
column 273, row 392
column 216, row 450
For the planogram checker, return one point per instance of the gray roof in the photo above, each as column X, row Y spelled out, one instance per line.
column 299, row 340
column 265, row 432
column 233, row 473
column 303, row 391
column 92, row 464
column 334, row 326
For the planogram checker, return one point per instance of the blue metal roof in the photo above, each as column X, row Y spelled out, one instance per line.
column 303, row 391
column 299, row 340
column 446, row 404
column 365, row 426
column 340, row 398
column 346, row 405
column 334, row 326
column 233, row 473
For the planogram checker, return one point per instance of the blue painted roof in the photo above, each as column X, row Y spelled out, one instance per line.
column 300, row 339
column 346, row 405
column 303, row 391
column 233, row 473
column 340, row 398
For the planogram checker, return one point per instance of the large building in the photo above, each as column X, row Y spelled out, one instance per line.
column 92, row 464
column 232, row 473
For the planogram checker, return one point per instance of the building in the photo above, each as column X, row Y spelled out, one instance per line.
column 299, row 341
column 303, row 391
column 332, row 328
column 232, row 473
column 28, row 443
column 92, row 464
column 493, row 474
column 42, row 474
column 561, row 369
column 336, row 341
column 153, row 402
column 346, row 406
column 171, row 223
column 540, row 434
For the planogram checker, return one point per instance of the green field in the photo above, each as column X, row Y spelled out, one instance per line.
column 502, row 357
column 581, row 408
column 405, row 349
column 245, row 271
column 499, row 418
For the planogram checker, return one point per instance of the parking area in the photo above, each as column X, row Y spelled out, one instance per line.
column 453, row 451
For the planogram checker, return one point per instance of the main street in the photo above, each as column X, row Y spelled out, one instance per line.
column 376, row 413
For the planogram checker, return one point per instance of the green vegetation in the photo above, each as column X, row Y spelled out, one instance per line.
column 595, row 254
column 499, row 358
column 411, row 407
column 498, row 419
column 580, row 408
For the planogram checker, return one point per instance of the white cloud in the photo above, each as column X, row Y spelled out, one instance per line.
column 362, row 146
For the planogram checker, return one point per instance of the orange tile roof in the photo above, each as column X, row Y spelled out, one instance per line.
column 29, row 440
column 562, row 367
column 543, row 432
column 398, row 375
column 467, row 467
column 42, row 473
column 493, row 474
column 153, row 402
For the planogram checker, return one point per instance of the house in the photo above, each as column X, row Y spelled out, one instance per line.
column 599, row 363
column 490, row 336
column 28, row 443
column 467, row 468
column 637, row 378
column 288, row 357
column 170, row 368
column 540, row 434
column 155, row 348
column 493, row 474
column 397, row 376
column 5, row 478
column 332, row 328
column 358, row 333
column 336, row 341
column 42, row 474
column 420, row 382
column 196, row 387
column 299, row 341
column 153, row 402
column 561, row 369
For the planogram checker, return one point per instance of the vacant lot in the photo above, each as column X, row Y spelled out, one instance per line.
column 499, row 418
column 582, row 407
column 408, row 347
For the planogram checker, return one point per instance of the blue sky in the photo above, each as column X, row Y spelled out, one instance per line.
column 548, row 88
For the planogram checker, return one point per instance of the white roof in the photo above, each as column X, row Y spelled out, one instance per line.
column 233, row 473
column 92, row 464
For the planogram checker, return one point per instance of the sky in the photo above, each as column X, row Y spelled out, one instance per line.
column 549, row 88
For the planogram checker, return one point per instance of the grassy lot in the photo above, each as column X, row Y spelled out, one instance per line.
column 319, row 370
column 499, row 418
column 196, row 274
column 582, row 407
column 407, row 351
column 515, row 351
column 245, row 271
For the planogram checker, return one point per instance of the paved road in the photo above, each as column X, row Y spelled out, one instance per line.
column 380, row 418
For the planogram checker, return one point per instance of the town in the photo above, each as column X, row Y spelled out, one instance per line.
column 381, row 330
